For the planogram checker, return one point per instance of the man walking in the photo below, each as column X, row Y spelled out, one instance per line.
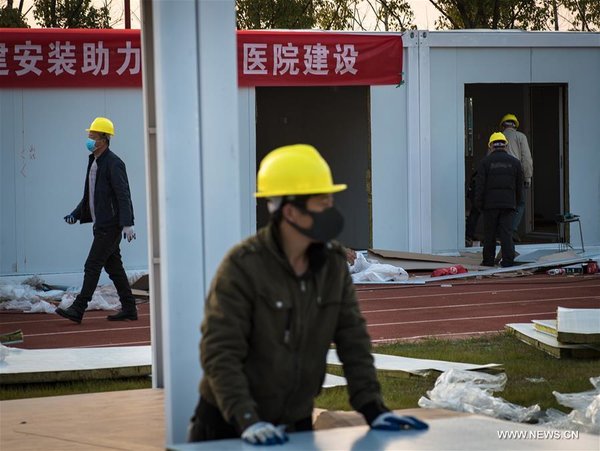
column 277, row 302
column 518, row 147
column 107, row 203
column 498, row 187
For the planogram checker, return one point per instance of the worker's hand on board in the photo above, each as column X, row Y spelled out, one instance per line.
column 263, row 433
column 390, row 421
column 70, row 219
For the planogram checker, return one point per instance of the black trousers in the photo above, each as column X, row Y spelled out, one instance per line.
column 471, row 224
column 105, row 253
column 208, row 424
column 497, row 222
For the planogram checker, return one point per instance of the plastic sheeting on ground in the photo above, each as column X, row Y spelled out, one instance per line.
column 4, row 351
column 584, row 417
column 34, row 296
column 364, row 270
column 472, row 392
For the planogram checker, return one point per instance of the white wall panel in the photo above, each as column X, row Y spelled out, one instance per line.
column 389, row 166
column 451, row 69
column 10, row 141
column 247, row 143
column 557, row 65
column 43, row 139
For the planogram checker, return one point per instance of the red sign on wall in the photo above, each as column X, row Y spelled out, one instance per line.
column 32, row 58
column 277, row 58
column 45, row 58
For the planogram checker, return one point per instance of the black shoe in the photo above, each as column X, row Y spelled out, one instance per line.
column 123, row 315
column 70, row 313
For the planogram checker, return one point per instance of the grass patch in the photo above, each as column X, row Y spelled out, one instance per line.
column 521, row 363
column 20, row 391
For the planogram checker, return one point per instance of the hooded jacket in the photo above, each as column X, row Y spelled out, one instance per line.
column 266, row 333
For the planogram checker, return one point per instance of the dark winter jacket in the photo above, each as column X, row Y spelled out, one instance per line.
column 112, row 198
column 266, row 333
column 499, row 181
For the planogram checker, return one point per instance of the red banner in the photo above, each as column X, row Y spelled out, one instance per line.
column 305, row 58
column 52, row 58
column 46, row 58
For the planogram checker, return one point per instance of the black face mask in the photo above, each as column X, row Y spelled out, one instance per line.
column 327, row 224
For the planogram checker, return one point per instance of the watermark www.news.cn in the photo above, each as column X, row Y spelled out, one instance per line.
column 543, row 434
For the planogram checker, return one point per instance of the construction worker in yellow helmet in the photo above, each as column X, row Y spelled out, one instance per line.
column 498, row 186
column 277, row 302
column 518, row 147
column 106, row 203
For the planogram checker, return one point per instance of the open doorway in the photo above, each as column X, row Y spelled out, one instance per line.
column 336, row 121
column 541, row 111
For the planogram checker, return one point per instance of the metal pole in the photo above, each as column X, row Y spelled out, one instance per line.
column 127, row 14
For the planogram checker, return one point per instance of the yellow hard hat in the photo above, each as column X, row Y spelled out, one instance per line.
column 510, row 117
column 294, row 170
column 102, row 125
column 498, row 136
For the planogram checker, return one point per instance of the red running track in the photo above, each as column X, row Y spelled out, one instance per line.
column 393, row 312
column 470, row 307
column 48, row 331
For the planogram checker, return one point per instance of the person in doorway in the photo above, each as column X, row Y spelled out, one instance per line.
column 518, row 147
column 276, row 303
column 107, row 203
column 498, row 186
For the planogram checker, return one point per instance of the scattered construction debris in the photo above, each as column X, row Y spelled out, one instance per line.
column 331, row 380
column 141, row 287
column 413, row 261
column 575, row 333
column 585, row 415
column 472, row 392
column 579, row 326
column 33, row 295
column 399, row 366
column 23, row 366
column 468, row 263
column 11, row 338
column 368, row 271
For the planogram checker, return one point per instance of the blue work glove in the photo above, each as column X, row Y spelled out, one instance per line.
column 128, row 233
column 389, row 421
column 263, row 433
column 70, row 219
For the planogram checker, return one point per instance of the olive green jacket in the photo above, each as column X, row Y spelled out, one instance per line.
column 266, row 333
